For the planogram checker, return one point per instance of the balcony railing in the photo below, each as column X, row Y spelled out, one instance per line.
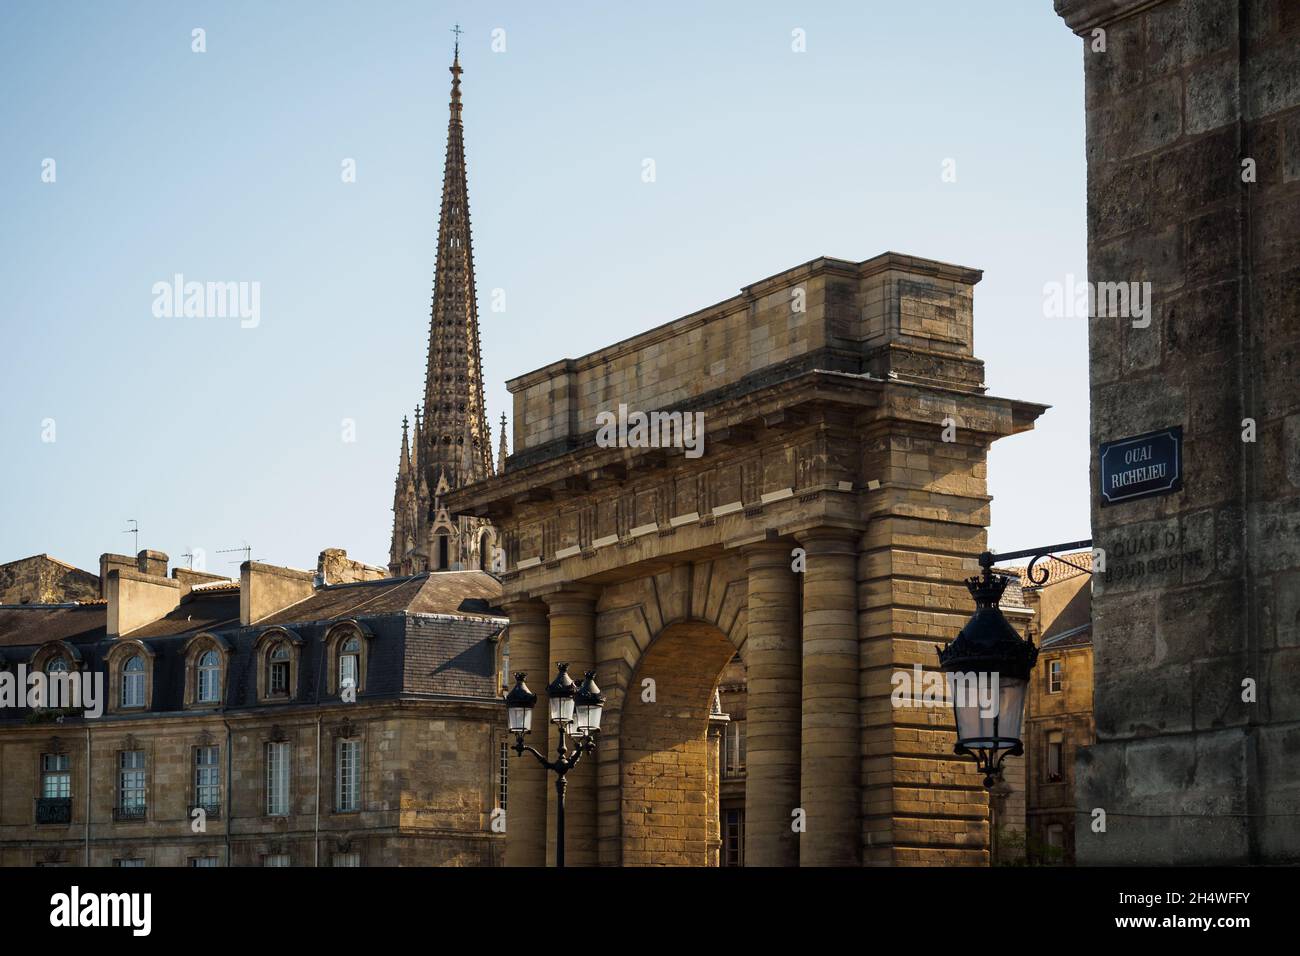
column 53, row 810
column 212, row 811
column 124, row 814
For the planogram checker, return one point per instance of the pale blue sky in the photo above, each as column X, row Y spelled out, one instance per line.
column 226, row 165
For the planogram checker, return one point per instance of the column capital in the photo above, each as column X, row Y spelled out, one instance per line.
column 572, row 599
column 827, row 539
column 768, row 554
column 525, row 611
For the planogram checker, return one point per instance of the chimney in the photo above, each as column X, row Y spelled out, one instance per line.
column 136, row 599
column 151, row 562
column 107, row 563
column 265, row 589
column 335, row 567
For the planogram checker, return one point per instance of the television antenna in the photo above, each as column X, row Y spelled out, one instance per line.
column 248, row 553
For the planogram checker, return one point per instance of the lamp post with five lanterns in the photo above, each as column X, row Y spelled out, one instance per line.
column 575, row 710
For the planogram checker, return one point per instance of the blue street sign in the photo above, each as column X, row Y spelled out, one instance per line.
column 1139, row 467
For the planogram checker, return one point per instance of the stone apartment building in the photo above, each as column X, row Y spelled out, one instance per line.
column 1193, row 145
column 285, row 719
column 1058, row 707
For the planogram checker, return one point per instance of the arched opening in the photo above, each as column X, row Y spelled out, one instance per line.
column 485, row 552
column 670, row 749
column 444, row 553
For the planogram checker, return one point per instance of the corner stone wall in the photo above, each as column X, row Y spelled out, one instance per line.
column 1193, row 142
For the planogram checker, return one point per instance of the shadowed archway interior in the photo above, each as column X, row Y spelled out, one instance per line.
column 668, row 813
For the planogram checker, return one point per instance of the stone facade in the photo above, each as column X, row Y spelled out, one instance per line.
column 213, row 723
column 822, row 536
column 1193, row 119
column 41, row 579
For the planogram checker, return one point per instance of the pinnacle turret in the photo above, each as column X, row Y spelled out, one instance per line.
column 505, row 450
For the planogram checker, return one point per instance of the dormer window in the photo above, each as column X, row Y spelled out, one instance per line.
column 278, row 651
column 207, row 657
column 129, row 676
column 347, row 646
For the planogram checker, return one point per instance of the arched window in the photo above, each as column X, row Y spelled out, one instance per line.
column 277, row 677
column 57, row 665
column 485, row 552
column 209, row 677
column 349, row 663
column 444, row 553
column 133, row 681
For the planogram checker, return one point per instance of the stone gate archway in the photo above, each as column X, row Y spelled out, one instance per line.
column 669, row 768
column 828, row 523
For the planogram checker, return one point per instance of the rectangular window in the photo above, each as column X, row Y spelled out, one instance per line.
column 56, row 777
column 347, row 671
column 207, row 777
column 1054, row 671
column 132, row 686
column 347, row 859
column 276, row 859
column 128, row 863
column 1055, row 747
column 280, row 677
column 1056, row 836
column 203, row 861
column 733, row 749
column 733, row 838
column 347, row 790
column 208, row 684
column 131, row 783
column 277, row 778
column 503, row 775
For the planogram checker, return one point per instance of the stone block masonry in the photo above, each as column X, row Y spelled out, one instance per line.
column 1193, row 142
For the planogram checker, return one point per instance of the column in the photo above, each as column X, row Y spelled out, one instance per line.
column 526, row 822
column 573, row 639
column 773, row 691
column 830, row 765
column 712, row 791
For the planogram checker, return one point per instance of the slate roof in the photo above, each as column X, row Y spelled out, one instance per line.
column 1075, row 637
column 196, row 612
column 443, row 592
column 432, row 635
column 35, row 624
column 1013, row 597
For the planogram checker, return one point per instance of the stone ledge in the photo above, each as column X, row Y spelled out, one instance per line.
column 1081, row 15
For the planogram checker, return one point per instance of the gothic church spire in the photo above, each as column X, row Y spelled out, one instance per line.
column 452, row 443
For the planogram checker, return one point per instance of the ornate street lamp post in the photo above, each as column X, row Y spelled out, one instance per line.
column 988, row 656
column 575, row 711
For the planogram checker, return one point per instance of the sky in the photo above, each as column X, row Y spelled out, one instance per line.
column 282, row 434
